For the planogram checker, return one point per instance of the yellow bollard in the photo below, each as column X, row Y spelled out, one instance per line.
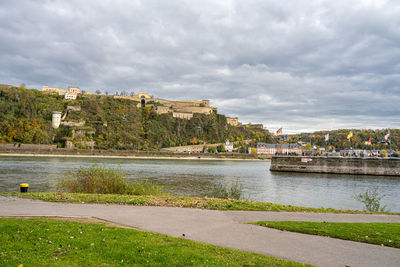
column 23, row 188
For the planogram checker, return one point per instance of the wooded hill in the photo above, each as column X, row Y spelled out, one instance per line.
column 26, row 115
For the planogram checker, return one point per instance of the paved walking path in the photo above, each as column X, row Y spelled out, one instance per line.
column 228, row 229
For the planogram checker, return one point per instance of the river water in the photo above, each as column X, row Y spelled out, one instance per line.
column 196, row 178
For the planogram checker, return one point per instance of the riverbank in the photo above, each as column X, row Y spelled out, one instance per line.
column 178, row 202
column 133, row 156
column 124, row 157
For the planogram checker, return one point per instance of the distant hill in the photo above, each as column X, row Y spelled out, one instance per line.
column 26, row 116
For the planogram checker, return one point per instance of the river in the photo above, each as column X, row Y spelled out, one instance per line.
column 196, row 178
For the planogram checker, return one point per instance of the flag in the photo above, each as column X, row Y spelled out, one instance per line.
column 327, row 137
column 387, row 136
column 350, row 135
column 279, row 132
column 368, row 142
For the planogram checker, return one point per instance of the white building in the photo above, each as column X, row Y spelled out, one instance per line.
column 56, row 119
column 283, row 149
column 228, row 146
column 70, row 96
column 53, row 89
column 72, row 93
column 74, row 90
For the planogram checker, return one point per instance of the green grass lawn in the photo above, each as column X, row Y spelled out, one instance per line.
column 173, row 201
column 387, row 234
column 50, row 242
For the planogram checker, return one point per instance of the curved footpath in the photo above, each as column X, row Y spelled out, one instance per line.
column 229, row 229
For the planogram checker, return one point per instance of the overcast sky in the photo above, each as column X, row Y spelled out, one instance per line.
column 300, row 65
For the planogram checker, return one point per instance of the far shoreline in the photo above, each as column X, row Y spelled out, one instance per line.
column 53, row 155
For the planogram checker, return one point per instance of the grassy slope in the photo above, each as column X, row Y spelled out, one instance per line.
column 387, row 234
column 47, row 242
column 171, row 201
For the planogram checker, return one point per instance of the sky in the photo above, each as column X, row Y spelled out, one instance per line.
column 300, row 65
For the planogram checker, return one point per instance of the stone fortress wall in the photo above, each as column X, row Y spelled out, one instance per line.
column 162, row 110
column 180, row 109
column 74, row 108
column 73, row 123
column 233, row 121
column 182, row 115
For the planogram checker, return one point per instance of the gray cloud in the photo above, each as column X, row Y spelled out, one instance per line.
column 301, row 65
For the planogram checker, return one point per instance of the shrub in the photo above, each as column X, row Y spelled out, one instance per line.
column 145, row 188
column 222, row 191
column 212, row 149
column 221, row 148
column 371, row 200
column 101, row 180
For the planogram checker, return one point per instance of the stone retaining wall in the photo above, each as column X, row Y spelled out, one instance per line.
column 73, row 123
column 339, row 165
column 19, row 146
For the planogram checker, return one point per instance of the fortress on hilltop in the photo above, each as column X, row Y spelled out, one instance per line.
column 179, row 109
column 183, row 109
column 69, row 94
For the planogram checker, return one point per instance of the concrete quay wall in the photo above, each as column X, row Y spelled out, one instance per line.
column 338, row 165
column 28, row 147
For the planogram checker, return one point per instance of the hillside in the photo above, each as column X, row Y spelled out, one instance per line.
column 26, row 116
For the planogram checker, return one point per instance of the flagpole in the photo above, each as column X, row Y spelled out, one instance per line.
column 390, row 143
column 350, row 139
column 327, row 143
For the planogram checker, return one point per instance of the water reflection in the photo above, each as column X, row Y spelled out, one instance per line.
column 193, row 178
